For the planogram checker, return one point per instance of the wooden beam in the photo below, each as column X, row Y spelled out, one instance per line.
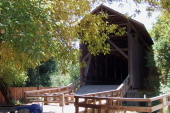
column 123, row 49
column 88, row 65
column 140, row 37
column 113, row 36
column 114, row 45
column 130, row 46
column 87, row 55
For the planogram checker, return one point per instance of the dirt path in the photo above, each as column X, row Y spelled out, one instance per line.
column 53, row 108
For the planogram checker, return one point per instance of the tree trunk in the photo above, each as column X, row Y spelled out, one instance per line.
column 6, row 92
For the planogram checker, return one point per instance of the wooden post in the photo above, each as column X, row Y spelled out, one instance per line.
column 149, row 105
column 72, row 97
column 46, row 99
column 112, row 94
column 130, row 56
column 162, row 101
column 109, row 104
column 93, row 109
column 168, row 105
column 106, row 94
column 55, row 98
column 100, row 103
column 76, row 107
column 161, row 110
column 66, row 99
column 86, row 102
column 61, row 99
column 25, row 97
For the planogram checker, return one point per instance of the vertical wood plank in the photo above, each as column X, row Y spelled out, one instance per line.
column 161, row 110
column 61, row 99
column 130, row 72
column 86, row 102
column 76, row 107
column 149, row 105
column 94, row 103
column 66, row 99
column 168, row 105
column 46, row 99
column 55, row 98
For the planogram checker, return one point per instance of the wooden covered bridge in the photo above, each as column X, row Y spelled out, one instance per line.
column 127, row 56
column 123, row 69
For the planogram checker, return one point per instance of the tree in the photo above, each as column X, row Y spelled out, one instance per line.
column 161, row 37
column 152, row 5
column 32, row 31
column 62, row 79
column 41, row 75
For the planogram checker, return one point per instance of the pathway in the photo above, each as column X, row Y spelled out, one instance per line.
column 95, row 88
column 55, row 108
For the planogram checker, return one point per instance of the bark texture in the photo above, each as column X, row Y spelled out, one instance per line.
column 6, row 92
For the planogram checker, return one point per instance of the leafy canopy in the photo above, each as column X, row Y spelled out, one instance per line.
column 35, row 30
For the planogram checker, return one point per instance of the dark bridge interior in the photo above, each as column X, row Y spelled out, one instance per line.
column 107, row 70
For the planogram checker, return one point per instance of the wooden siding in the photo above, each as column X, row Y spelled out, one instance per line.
column 18, row 93
column 138, row 64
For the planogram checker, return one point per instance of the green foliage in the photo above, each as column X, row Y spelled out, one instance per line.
column 162, row 5
column 41, row 75
column 47, row 74
column 152, row 82
column 96, row 34
column 34, row 30
column 161, row 37
column 63, row 79
column 164, row 89
column 158, row 60
column 12, row 77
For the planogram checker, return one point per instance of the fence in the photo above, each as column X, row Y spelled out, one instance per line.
column 54, row 95
column 114, row 104
column 18, row 92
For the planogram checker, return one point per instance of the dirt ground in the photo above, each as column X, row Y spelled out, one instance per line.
column 57, row 109
column 53, row 108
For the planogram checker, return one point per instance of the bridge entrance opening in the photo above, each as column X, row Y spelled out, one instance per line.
column 107, row 70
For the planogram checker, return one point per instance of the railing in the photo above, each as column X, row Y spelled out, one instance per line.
column 119, row 92
column 123, row 88
column 66, row 94
column 113, row 101
column 54, row 95
column 115, row 104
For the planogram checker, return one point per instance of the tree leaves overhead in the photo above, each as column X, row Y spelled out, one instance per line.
column 95, row 32
column 35, row 30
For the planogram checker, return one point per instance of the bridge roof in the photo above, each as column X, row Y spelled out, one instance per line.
column 118, row 18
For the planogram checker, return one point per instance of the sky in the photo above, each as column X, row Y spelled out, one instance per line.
column 128, row 8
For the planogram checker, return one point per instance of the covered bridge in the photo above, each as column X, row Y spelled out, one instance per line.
column 127, row 56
